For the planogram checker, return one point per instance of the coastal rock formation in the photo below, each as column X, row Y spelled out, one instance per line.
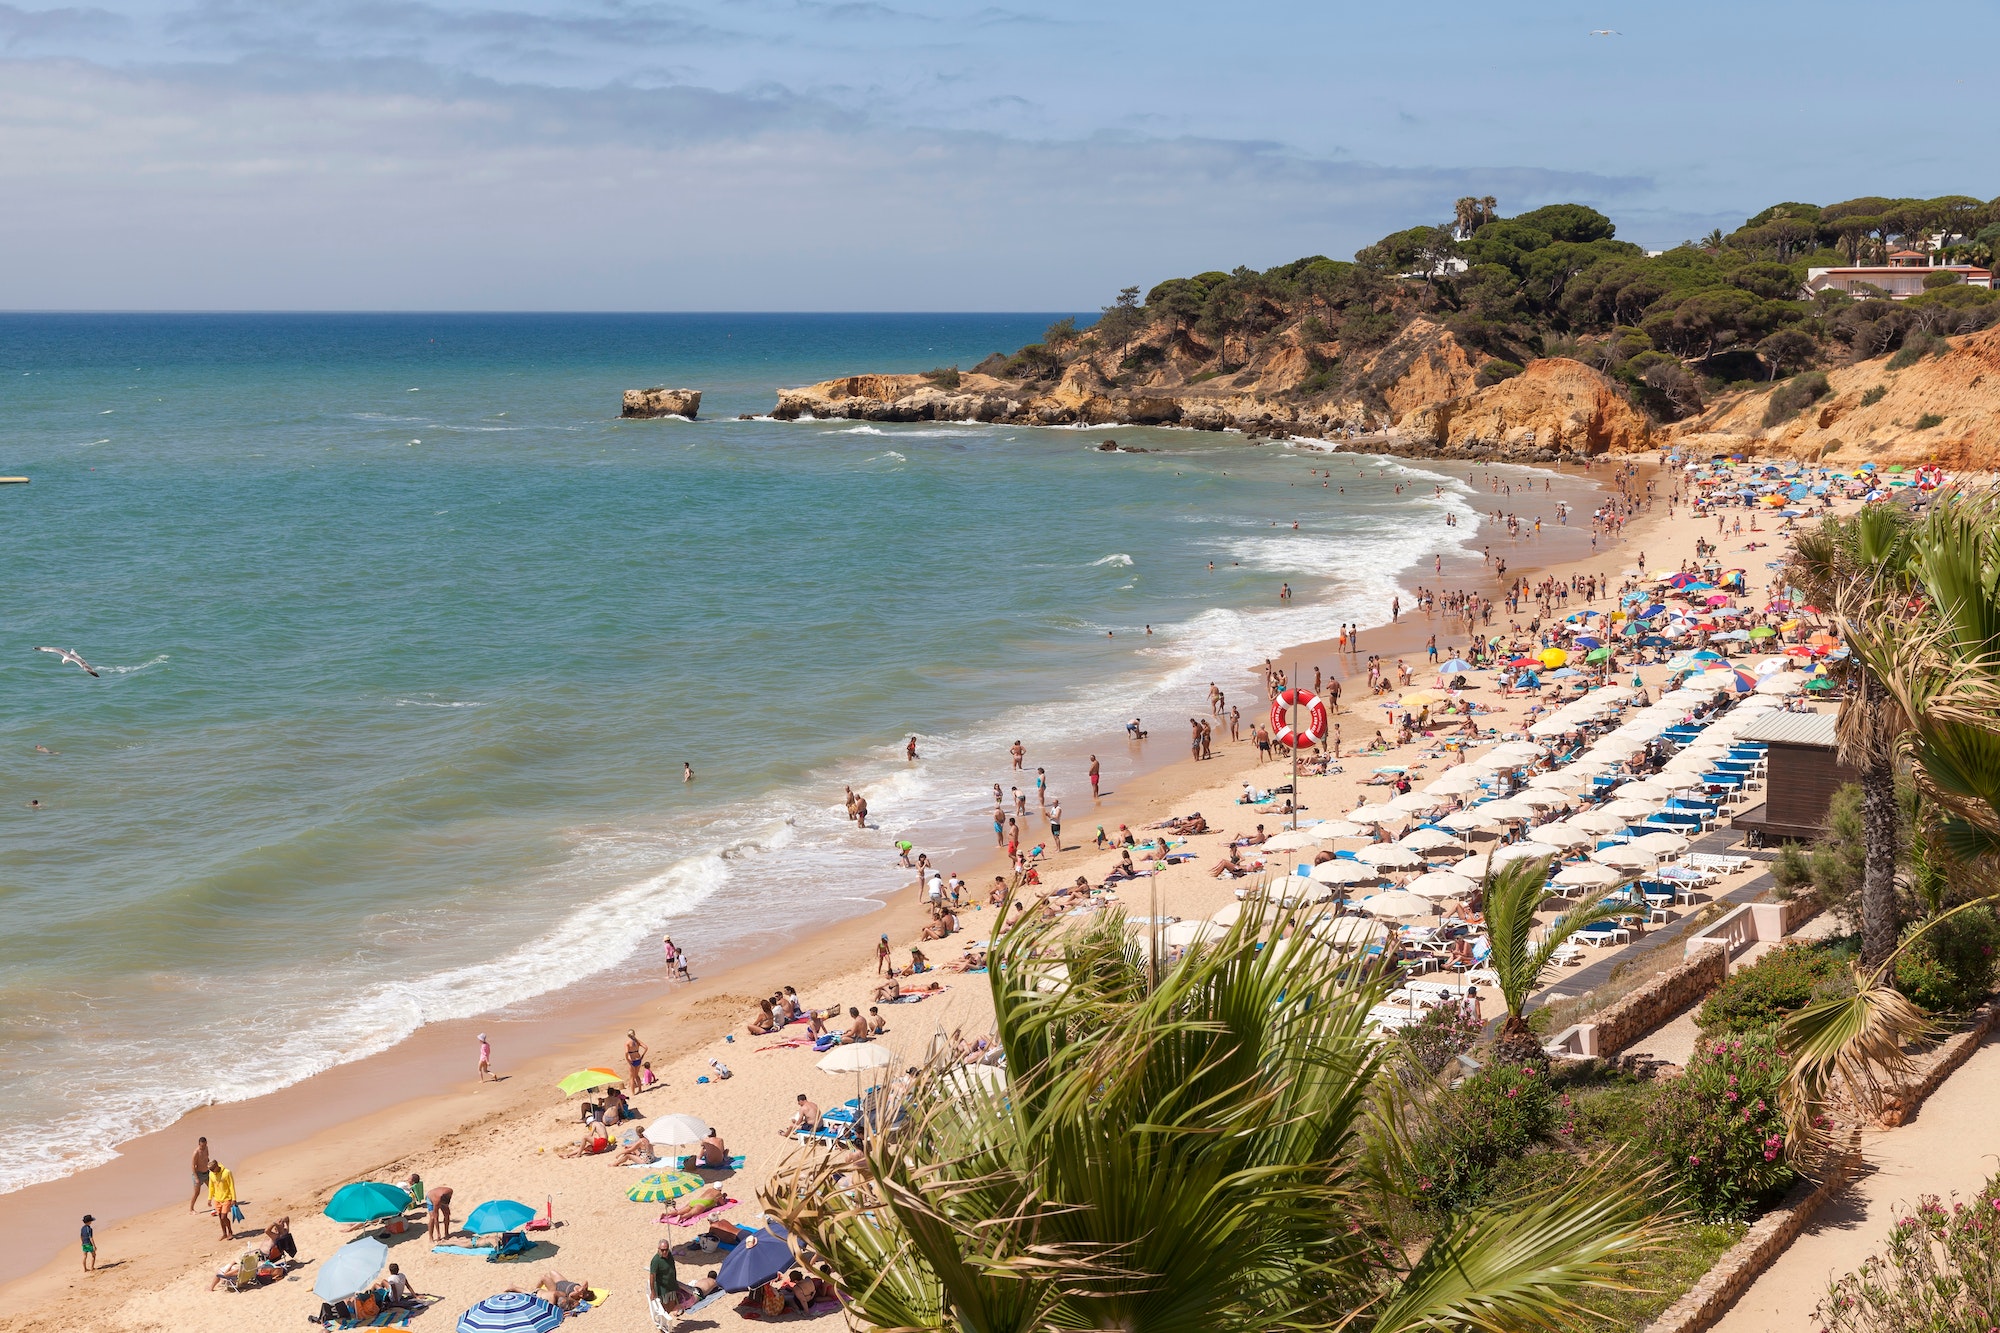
column 1555, row 406
column 662, row 403
column 1939, row 409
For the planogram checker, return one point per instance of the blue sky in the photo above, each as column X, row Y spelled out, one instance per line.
column 847, row 154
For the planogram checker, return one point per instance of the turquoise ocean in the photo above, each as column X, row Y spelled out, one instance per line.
column 404, row 638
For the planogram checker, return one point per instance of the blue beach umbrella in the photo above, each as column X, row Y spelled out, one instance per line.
column 350, row 1268
column 366, row 1201
column 1457, row 664
column 499, row 1215
column 761, row 1256
column 1589, row 641
column 511, row 1312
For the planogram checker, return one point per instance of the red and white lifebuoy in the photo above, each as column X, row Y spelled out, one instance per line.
column 1311, row 713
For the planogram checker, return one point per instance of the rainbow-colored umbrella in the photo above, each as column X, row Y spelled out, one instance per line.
column 664, row 1187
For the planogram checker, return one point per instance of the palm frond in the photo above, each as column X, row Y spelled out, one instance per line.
column 1509, row 898
column 1507, row 1270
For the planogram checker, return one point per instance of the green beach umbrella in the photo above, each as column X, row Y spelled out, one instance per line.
column 1762, row 632
column 1819, row 683
column 664, row 1187
column 585, row 1079
column 1597, row 654
column 367, row 1201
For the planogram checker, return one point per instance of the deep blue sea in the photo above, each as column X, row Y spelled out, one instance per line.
column 404, row 638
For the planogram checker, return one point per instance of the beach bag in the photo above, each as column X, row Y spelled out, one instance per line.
column 773, row 1300
column 235, row 1213
column 366, row 1306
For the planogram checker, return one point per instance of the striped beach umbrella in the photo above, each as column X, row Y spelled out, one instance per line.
column 664, row 1187
column 511, row 1312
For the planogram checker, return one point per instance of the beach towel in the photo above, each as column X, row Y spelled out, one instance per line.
column 690, row 1163
column 397, row 1318
column 699, row 1217
column 706, row 1301
column 480, row 1251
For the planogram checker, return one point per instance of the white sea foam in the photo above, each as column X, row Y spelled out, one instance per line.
column 438, row 703
column 132, row 670
column 1118, row 558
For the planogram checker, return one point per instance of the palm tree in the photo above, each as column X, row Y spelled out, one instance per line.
column 1489, row 210
column 1466, row 216
column 1509, row 898
column 1859, row 566
column 1179, row 1149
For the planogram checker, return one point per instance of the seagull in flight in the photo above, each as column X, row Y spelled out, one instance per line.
column 68, row 656
column 1604, row 32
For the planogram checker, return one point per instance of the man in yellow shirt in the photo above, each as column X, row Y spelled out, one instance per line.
column 222, row 1196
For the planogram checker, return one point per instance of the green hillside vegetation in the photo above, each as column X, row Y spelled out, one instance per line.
column 1672, row 328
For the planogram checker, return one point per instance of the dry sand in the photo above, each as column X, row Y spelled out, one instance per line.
column 498, row 1140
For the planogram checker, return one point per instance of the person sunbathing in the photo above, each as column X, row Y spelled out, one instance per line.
column 1230, row 865
column 815, row 1024
column 595, row 1140
column 805, row 1119
column 564, row 1294
column 639, row 1150
column 766, row 1021
column 713, row 1151
column 965, row 962
column 703, row 1199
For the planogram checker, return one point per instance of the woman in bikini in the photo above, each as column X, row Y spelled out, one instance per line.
column 635, row 1056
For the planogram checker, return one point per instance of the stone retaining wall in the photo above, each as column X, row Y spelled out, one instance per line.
column 1625, row 1021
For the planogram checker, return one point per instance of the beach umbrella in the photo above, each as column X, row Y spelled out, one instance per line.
column 493, row 1217
column 1562, row 779
column 1456, row 664
column 1624, row 857
column 352, row 1267
column 1646, row 789
column 1377, row 814
column 1553, row 657
column 1818, row 683
column 758, row 1257
column 1632, row 807
column 1564, row 833
column 1427, row 840
column 1183, row 933
column 1597, row 821
column 1588, row 876
column 1411, row 802
column 367, row 1201
column 665, row 1186
column 1465, row 820
column 1506, row 808
column 1458, row 782
column 1521, row 851
column 1389, row 856
column 1518, row 751
column 1337, row 872
column 1227, row 914
column 1397, row 906
column 1291, row 840
column 511, row 1312
column 854, row 1057
column 1355, row 932
column 1441, row 884
column 1662, row 844
column 677, row 1130
column 1782, row 682
column 583, row 1080
column 1332, row 830
column 967, row 1079
column 1299, row 889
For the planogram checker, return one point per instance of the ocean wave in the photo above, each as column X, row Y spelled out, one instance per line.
column 438, row 703
column 890, row 454
column 1118, row 558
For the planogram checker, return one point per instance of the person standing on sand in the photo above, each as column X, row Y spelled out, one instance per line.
column 1207, row 741
column 485, row 1059
column 1042, row 788
column 999, row 827
column 1093, row 777
column 1235, row 723
column 882, row 955
column 635, row 1055
column 89, row 1235
column 222, row 1197
column 1055, row 824
column 1019, row 753
column 201, row 1169
column 437, row 1207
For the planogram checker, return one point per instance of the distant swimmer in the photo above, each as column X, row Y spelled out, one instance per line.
column 43, row 749
column 34, row 805
column 910, row 750
column 68, row 656
column 687, row 771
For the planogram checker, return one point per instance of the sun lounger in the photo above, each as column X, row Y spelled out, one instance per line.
column 700, row 1217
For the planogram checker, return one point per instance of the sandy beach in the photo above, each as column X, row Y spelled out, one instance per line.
column 419, row 1108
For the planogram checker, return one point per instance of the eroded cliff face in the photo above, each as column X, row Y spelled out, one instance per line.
column 1961, row 389
column 1554, row 405
column 1169, row 379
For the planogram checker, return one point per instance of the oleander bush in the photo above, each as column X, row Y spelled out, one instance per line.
column 1494, row 1116
column 1719, row 1129
column 1443, row 1034
column 1938, row 1272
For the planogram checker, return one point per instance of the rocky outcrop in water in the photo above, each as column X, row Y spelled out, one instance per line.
column 662, row 403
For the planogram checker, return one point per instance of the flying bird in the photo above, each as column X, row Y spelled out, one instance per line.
column 68, row 656
column 1604, row 32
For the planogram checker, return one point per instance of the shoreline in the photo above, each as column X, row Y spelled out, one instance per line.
column 285, row 1145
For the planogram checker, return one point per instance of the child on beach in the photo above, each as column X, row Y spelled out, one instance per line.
column 485, row 1059
column 89, row 1244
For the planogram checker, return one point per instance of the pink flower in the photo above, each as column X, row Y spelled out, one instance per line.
column 1694, row 1161
column 1770, row 1156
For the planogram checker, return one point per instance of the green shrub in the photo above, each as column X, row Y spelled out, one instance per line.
column 1719, row 1130
column 1794, row 396
column 1951, row 968
column 1875, row 395
column 1495, row 371
column 1757, row 996
column 1444, row 1034
column 1493, row 1116
column 945, row 377
column 1916, row 347
column 1929, row 419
